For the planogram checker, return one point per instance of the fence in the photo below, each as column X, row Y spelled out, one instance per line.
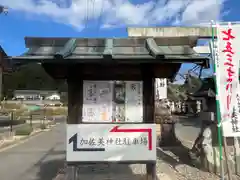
column 12, row 123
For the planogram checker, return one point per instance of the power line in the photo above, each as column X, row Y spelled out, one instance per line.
column 86, row 15
column 3, row 10
column 93, row 7
column 100, row 15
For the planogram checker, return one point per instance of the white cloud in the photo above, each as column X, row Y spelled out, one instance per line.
column 114, row 13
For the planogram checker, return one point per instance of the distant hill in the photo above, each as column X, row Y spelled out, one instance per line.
column 30, row 76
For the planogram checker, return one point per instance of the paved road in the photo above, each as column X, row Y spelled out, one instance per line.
column 187, row 129
column 37, row 159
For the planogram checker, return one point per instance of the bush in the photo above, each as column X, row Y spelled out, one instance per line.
column 62, row 111
column 43, row 126
column 24, row 131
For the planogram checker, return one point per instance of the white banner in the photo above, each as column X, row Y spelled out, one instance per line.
column 227, row 74
column 161, row 88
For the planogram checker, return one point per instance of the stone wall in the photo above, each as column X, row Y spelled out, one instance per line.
column 210, row 155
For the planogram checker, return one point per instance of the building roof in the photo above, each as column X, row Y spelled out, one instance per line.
column 205, row 93
column 4, row 61
column 43, row 92
column 207, row 88
column 123, row 50
column 3, row 52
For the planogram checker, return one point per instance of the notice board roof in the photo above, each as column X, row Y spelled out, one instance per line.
column 121, row 50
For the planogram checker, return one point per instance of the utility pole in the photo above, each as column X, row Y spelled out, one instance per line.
column 3, row 10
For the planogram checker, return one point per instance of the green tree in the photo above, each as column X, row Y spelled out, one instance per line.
column 30, row 77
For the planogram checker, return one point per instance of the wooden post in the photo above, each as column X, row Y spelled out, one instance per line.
column 75, row 103
column 1, row 82
column 75, row 98
column 148, row 109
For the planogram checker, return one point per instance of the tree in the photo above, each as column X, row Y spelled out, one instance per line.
column 30, row 77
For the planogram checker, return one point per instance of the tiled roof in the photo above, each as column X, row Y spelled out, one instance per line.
column 2, row 51
column 4, row 61
column 42, row 92
column 207, row 88
column 83, row 49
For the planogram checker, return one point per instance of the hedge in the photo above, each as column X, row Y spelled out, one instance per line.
column 11, row 122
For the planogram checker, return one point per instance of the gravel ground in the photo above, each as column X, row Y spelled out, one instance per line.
column 169, row 167
column 181, row 170
column 137, row 172
column 172, row 164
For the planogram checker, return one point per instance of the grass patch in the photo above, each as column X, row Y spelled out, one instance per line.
column 11, row 106
column 17, row 109
column 20, row 112
column 24, row 131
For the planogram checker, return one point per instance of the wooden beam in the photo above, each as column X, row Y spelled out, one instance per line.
column 108, row 51
column 127, row 59
column 75, row 97
column 67, row 49
column 200, row 32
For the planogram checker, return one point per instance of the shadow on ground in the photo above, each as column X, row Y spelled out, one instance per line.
column 181, row 154
column 49, row 170
column 178, row 155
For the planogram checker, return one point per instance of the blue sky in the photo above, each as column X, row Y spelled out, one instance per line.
column 102, row 18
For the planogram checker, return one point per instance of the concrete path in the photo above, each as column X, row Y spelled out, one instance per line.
column 39, row 158
column 187, row 130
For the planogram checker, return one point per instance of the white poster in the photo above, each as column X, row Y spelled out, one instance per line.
column 227, row 75
column 161, row 88
column 97, row 101
column 133, row 101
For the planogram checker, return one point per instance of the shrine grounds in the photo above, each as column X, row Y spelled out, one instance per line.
column 43, row 156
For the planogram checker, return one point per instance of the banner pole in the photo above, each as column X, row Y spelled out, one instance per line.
column 217, row 107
